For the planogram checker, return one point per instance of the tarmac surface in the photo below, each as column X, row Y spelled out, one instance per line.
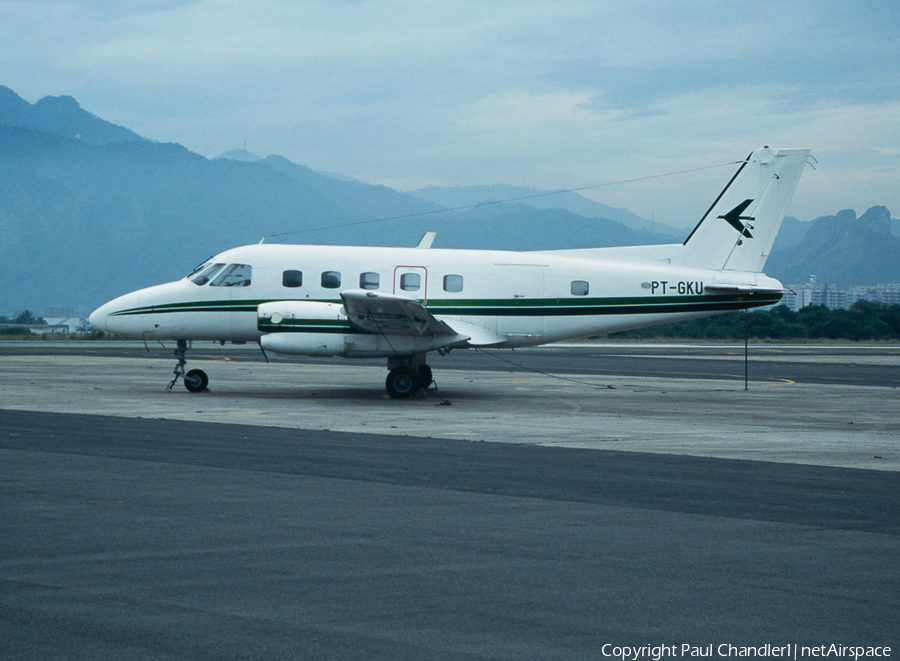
column 291, row 512
column 804, row 404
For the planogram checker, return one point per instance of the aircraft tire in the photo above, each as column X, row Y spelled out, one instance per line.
column 426, row 378
column 402, row 382
column 196, row 381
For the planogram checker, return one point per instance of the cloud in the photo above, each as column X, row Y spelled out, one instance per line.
column 561, row 93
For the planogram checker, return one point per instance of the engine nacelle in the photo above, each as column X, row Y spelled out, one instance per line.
column 301, row 317
column 309, row 328
column 312, row 328
column 305, row 344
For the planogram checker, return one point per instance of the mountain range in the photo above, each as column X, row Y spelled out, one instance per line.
column 842, row 249
column 90, row 210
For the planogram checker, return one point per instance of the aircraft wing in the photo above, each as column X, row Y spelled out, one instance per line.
column 386, row 314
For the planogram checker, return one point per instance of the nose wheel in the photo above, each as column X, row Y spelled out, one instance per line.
column 194, row 380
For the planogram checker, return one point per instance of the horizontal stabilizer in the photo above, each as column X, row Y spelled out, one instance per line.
column 742, row 289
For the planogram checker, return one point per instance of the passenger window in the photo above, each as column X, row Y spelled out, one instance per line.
column 369, row 280
column 205, row 272
column 453, row 283
column 292, row 279
column 579, row 288
column 410, row 281
column 234, row 275
column 331, row 279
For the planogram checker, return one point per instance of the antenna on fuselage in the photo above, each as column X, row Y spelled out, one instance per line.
column 261, row 241
column 426, row 241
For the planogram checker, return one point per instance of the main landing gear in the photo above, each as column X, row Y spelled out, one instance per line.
column 194, row 380
column 408, row 374
column 407, row 377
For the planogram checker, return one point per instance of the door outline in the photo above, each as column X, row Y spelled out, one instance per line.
column 400, row 271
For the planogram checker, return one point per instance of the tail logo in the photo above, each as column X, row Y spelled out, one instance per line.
column 734, row 218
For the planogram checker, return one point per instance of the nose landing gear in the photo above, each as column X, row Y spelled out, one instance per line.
column 194, row 380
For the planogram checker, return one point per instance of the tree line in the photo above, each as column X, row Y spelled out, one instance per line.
column 24, row 318
column 863, row 322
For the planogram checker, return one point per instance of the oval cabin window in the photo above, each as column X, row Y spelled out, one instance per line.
column 292, row 278
column 579, row 288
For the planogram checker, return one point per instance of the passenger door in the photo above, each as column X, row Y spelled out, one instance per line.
column 412, row 282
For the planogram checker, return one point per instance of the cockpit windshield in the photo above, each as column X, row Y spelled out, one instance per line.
column 203, row 273
column 202, row 265
column 234, row 275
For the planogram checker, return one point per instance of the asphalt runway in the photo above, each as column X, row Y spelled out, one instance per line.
column 326, row 525
column 156, row 539
column 796, row 363
column 834, row 364
column 560, row 395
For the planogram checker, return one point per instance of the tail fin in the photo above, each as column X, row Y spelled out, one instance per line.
column 739, row 229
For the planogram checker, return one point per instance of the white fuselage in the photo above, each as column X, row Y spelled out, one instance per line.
column 401, row 303
column 507, row 299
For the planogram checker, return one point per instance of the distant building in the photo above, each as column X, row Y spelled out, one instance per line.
column 814, row 293
column 59, row 311
column 65, row 325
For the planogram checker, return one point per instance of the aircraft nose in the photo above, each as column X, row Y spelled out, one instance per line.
column 97, row 319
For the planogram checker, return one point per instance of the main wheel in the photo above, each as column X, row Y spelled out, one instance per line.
column 196, row 380
column 402, row 382
column 425, row 376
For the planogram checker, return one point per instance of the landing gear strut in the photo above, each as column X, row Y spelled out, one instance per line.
column 407, row 376
column 195, row 380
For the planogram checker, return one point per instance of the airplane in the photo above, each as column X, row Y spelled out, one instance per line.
column 402, row 303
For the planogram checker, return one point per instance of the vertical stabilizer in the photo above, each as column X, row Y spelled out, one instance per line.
column 739, row 229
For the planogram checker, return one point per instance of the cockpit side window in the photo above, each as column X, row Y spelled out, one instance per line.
column 235, row 275
column 204, row 273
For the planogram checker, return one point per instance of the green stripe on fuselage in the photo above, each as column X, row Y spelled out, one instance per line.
column 555, row 307
column 519, row 307
column 195, row 306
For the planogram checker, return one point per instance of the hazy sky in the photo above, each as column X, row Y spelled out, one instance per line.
column 545, row 93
